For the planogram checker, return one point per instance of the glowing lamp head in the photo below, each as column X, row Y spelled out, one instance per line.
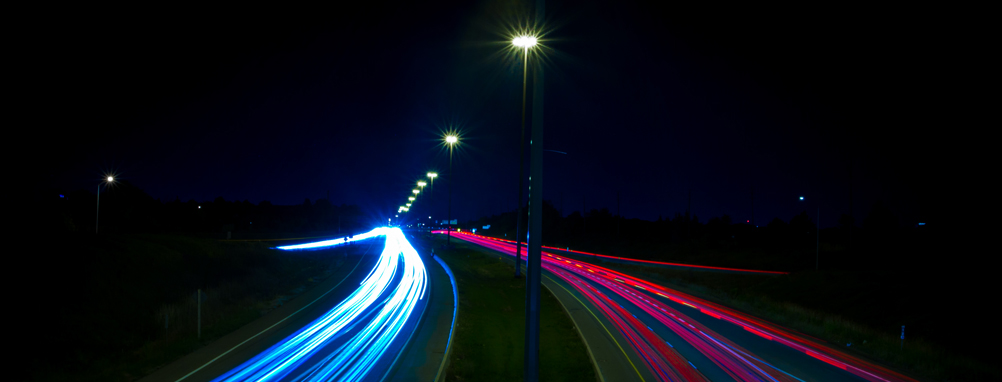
column 416, row 192
column 110, row 179
column 801, row 198
column 432, row 175
column 524, row 41
column 421, row 183
column 411, row 198
column 451, row 139
column 408, row 204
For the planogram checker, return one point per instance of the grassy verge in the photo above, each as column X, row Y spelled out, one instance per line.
column 127, row 304
column 770, row 298
column 490, row 333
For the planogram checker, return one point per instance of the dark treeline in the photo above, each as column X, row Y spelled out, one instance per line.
column 124, row 208
column 879, row 242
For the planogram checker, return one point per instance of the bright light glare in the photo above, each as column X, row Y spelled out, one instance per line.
column 432, row 175
column 451, row 139
column 380, row 308
column 416, row 192
column 524, row 41
column 801, row 198
column 111, row 179
column 411, row 198
column 421, row 183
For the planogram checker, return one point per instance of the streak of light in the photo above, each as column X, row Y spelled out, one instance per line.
column 349, row 340
column 735, row 361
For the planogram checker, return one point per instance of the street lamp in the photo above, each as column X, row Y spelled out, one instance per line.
column 97, row 214
column 432, row 176
column 451, row 140
column 411, row 198
column 817, row 240
column 524, row 42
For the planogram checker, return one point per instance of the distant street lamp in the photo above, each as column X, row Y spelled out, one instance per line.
column 432, row 175
column 524, row 42
column 817, row 242
column 451, row 140
column 97, row 214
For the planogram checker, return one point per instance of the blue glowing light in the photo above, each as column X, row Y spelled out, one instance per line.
column 355, row 335
column 801, row 198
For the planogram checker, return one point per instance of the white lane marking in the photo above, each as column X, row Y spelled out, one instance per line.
column 279, row 322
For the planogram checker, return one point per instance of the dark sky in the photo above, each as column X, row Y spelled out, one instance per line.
column 648, row 101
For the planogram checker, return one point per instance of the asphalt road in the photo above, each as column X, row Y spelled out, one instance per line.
column 704, row 340
column 425, row 358
column 243, row 344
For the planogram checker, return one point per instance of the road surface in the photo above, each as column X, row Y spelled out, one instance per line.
column 371, row 320
column 680, row 337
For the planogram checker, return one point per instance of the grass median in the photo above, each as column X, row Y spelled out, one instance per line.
column 489, row 340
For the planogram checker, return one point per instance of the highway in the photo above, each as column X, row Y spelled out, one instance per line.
column 677, row 336
column 360, row 325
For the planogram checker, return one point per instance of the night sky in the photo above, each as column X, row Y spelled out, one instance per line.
column 648, row 101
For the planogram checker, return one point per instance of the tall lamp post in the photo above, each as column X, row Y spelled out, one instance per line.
column 451, row 140
column 97, row 214
column 534, row 238
column 817, row 240
column 432, row 176
column 421, row 184
column 524, row 42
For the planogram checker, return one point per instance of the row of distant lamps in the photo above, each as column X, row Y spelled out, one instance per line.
column 451, row 140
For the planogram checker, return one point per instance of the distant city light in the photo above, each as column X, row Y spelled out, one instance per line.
column 801, row 198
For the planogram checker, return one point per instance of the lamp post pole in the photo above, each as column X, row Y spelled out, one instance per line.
column 97, row 213
column 817, row 240
column 534, row 241
column 451, row 140
column 448, row 239
column 432, row 176
column 521, row 168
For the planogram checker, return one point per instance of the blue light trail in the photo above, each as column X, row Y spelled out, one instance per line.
column 349, row 340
